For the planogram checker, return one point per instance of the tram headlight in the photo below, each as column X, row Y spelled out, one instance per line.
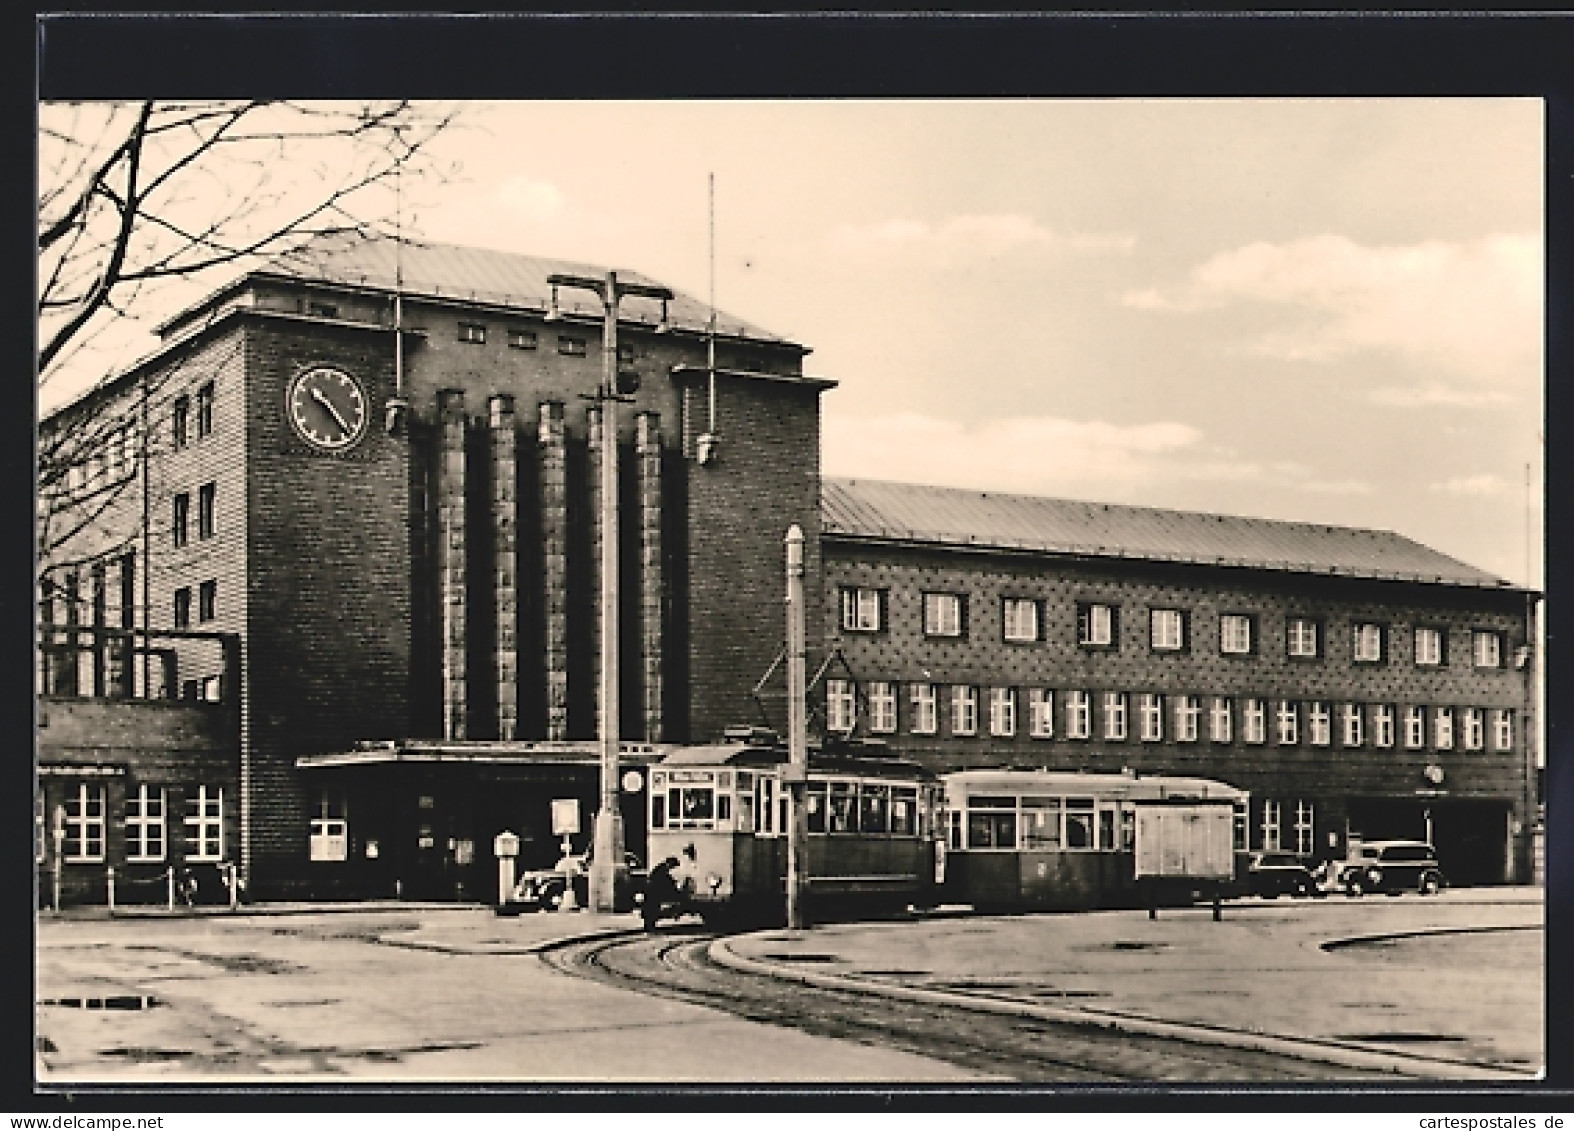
column 1375, row 875
column 713, row 881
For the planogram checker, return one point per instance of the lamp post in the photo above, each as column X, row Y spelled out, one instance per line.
column 608, row 873
column 796, row 774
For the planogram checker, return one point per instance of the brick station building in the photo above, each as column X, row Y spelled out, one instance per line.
column 373, row 468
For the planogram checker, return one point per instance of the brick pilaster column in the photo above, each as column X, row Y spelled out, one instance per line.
column 505, row 560
column 553, row 452
column 651, row 582
column 451, row 555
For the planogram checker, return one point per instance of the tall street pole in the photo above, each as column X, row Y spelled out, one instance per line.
column 797, row 773
column 608, row 872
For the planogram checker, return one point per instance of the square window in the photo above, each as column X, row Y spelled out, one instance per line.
column 207, row 600
column 1318, row 723
column 1019, row 615
column 207, row 503
column 180, row 520
column 1002, row 711
column 1368, row 643
column 841, row 706
column 1443, row 728
column 205, row 410
column 1503, row 730
column 1079, row 714
column 472, row 332
column 1235, row 634
column 1096, row 626
column 1350, row 715
column 1487, row 649
column 1115, row 716
column 1383, row 725
column 521, row 339
column 1270, row 825
column 1188, row 710
column 179, row 422
column 570, row 347
column 1429, row 647
column 861, row 609
column 1150, row 717
column 882, row 707
column 964, row 710
column 183, row 607
column 1302, row 637
column 1167, row 629
column 1475, row 728
column 1304, row 823
column 145, row 825
column 925, row 711
column 84, row 842
column 1254, row 721
column 1220, row 720
column 205, row 824
column 1415, row 728
column 942, row 614
column 1041, row 712
column 1288, row 718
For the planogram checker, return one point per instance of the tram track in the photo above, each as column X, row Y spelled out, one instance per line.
column 676, row 964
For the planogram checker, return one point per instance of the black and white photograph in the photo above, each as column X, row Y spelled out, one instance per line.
column 880, row 591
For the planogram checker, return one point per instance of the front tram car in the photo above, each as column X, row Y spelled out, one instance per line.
column 1043, row 839
column 722, row 812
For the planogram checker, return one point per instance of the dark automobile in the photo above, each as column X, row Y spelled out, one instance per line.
column 1271, row 874
column 544, row 889
column 1392, row 867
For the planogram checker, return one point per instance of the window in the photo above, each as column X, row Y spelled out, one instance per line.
column 1079, row 822
column 1002, row 711
column 180, row 520
column 1220, row 728
column 40, row 832
column 1429, row 647
column 84, row 842
column 521, row 339
column 991, row 822
column 1415, row 728
column 964, row 710
column 1270, row 825
column 1487, row 649
column 1167, row 630
column 1095, row 626
column 1301, row 637
column 1503, row 730
column 1040, row 712
column 942, row 614
column 1150, row 717
column 874, row 808
column 1188, row 709
column 1443, row 728
column 1020, row 618
column 1254, row 721
column 330, row 828
column 180, row 422
column 1288, row 723
column 882, row 707
column 1383, row 725
column 925, row 720
column 207, row 498
column 205, row 824
column 844, row 807
column 1350, row 716
column 1368, row 643
column 1304, row 825
column 1115, row 716
column 322, row 309
column 861, row 609
column 841, row 705
column 570, row 347
column 1040, row 823
column 1475, row 728
column 207, row 600
column 1318, row 723
column 472, row 332
column 183, row 607
column 1079, row 714
column 205, row 411
column 145, row 825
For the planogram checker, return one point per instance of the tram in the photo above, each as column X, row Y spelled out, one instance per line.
column 1044, row 839
column 722, row 812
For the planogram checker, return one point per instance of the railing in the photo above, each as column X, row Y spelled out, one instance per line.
column 179, row 884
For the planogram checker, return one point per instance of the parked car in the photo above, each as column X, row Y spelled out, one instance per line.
column 1270, row 874
column 1393, row 867
column 543, row 889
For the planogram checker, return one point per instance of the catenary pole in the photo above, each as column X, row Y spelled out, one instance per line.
column 797, row 734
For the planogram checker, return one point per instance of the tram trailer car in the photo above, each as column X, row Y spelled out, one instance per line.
column 1028, row 840
column 722, row 812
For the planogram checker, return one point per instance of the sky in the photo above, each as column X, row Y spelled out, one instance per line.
column 1316, row 310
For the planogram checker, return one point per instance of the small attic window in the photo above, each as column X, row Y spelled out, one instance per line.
column 571, row 347
column 521, row 339
column 626, row 354
column 472, row 332
column 322, row 309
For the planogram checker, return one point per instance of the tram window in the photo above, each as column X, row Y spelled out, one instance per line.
column 658, row 811
column 698, row 805
column 904, row 811
column 674, row 805
column 1106, row 828
column 745, row 812
column 1041, row 822
column 1128, row 829
column 844, row 807
column 724, row 807
column 1079, row 822
column 874, row 808
column 814, row 808
column 988, row 829
column 765, row 804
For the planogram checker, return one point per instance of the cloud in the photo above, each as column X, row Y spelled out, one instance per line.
column 1477, row 485
column 990, row 235
column 534, row 201
column 1048, row 455
column 1471, row 310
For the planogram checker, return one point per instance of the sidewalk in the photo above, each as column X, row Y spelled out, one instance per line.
column 1449, row 987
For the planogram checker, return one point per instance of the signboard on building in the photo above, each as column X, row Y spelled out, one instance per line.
column 565, row 816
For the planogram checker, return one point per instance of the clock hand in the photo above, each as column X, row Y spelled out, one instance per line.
column 317, row 395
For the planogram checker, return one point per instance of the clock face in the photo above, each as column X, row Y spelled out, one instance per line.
column 328, row 408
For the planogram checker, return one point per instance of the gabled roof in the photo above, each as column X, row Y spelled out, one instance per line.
column 945, row 516
column 419, row 268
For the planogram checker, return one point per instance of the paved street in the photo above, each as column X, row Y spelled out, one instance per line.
column 426, row 993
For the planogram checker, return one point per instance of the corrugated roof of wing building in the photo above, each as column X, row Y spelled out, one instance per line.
column 988, row 520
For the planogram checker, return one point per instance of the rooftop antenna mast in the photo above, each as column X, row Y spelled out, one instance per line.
column 394, row 413
column 706, row 444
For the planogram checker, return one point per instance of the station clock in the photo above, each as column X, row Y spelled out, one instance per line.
column 327, row 406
